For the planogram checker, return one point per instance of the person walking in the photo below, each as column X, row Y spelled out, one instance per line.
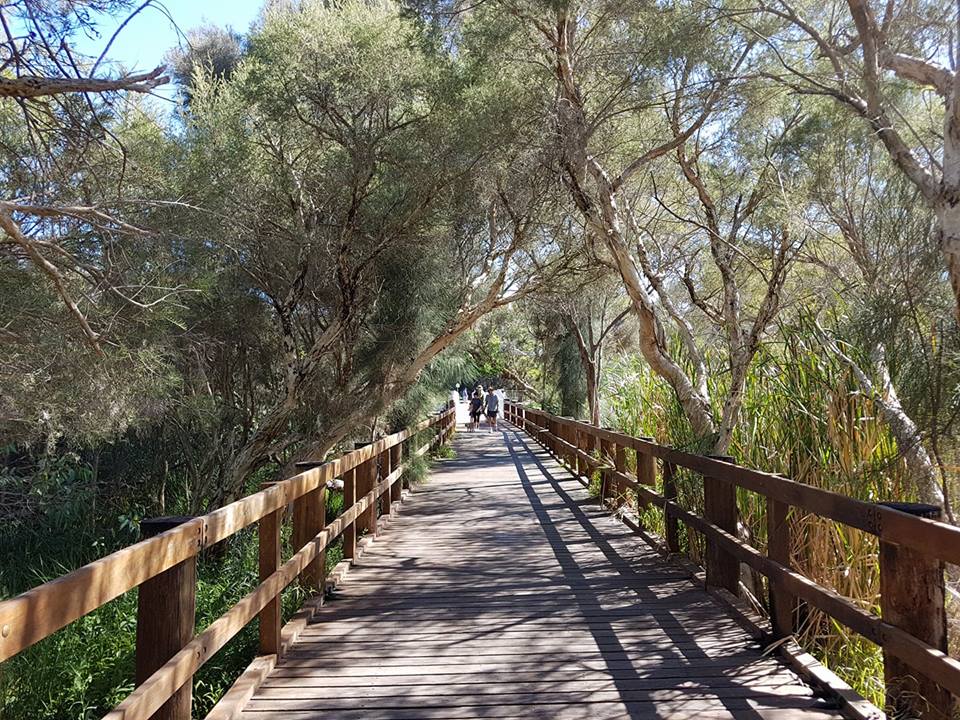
column 492, row 408
column 476, row 409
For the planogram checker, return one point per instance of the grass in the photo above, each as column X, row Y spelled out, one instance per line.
column 86, row 669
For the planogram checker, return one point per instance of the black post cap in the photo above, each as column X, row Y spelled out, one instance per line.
column 923, row 510
column 154, row 526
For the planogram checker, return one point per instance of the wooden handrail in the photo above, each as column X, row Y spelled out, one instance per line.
column 40, row 612
column 929, row 541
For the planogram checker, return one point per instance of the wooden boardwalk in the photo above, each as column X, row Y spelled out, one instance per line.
column 503, row 591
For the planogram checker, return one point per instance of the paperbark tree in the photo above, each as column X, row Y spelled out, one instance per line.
column 688, row 93
column 64, row 166
column 865, row 56
column 890, row 270
column 593, row 314
column 366, row 209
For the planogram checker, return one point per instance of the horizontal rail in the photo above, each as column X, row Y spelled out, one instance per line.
column 937, row 541
column 932, row 538
column 38, row 613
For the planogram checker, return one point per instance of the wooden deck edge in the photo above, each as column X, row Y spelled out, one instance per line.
column 235, row 699
column 850, row 702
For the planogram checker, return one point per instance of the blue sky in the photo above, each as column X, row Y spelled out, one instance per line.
column 147, row 37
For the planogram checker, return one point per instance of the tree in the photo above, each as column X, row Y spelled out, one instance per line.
column 613, row 121
column 888, row 276
column 364, row 207
column 591, row 314
column 880, row 64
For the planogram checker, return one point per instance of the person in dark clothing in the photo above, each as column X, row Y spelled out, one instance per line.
column 476, row 409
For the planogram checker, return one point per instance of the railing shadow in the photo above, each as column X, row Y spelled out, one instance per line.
column 683, row 645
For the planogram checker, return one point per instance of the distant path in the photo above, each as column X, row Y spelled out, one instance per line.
column 505, row 592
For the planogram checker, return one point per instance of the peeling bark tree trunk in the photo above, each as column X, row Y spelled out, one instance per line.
column 904, row 430
column 947, row 207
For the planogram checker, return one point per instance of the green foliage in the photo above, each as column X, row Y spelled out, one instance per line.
column 415, row 470
column 804, row 417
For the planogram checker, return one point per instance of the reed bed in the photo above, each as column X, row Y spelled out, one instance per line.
column 803, row 416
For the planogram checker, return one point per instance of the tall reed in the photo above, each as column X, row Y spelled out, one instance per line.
column 803, row 416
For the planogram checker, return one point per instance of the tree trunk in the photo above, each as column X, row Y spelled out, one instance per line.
column 909, row 440
column 593, row 392
column 947, row 208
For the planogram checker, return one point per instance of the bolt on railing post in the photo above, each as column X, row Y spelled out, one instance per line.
column 720, row 508
column 783, row 604
column 166, row 614
column 670, row 521
column 268, row 530
column 912, row 598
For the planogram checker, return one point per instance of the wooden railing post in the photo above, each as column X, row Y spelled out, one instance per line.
column 449, row 422
column 608, row 450
column 309, row 518
column 670, row 521
column 782, row 604
column 646, row 471
column 620, row 458
column 349, row 500
column 912, row 599
column 269, row 535
column 720, row 508
column 366, row 480
column 396, row 460
column 570, row 433
column 386, row 465
column 166, row 614
column 590, row 444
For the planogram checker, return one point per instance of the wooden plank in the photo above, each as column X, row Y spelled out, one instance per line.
column 436, row 625
column 677, row 710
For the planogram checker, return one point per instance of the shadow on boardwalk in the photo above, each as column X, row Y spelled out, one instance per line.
column 502, row 591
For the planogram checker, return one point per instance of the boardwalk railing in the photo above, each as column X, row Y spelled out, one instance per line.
column 163, row 568
column 920, row 676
